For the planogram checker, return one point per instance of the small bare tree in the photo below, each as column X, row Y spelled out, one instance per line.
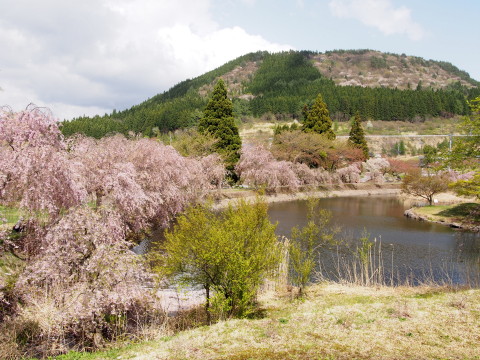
column 424, row 186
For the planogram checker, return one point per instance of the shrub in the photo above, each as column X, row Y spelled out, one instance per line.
column 307, row 242
column 227, row 253
column 314, row 150
column 297, row 146
column 398, row 167
column 190, row 142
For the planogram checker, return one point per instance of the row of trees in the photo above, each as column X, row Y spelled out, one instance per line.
column 85, row 203
column 374, row 103
column 259, row 168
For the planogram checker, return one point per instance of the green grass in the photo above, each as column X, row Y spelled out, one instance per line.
column 462, row 213
column 333, row 322
column 109, row 354
column 436, row 126
column 466, row 210
column 115, row 353
column 10, row 213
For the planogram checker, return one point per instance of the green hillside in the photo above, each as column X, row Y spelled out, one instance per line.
column 380, row 86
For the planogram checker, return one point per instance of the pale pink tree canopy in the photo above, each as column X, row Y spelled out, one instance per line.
column 143, row 181
column 142, row 178
column 86, row 269
column 36, row 172
column 98, row 195
column 257, row 167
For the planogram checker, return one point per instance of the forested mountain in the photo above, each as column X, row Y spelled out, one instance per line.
column 379, row 86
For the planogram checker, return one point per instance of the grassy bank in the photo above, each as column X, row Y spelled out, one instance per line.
column 465, row 215
column 333, row 322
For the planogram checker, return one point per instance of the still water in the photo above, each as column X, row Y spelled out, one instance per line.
column 409, row 250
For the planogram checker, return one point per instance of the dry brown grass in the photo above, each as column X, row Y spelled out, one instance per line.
column 261, row 133
column 338, row 322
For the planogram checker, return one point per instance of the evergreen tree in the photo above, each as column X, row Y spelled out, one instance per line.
column 401, row 147
column 357, row 135
column 317, row 119
column 218, row 121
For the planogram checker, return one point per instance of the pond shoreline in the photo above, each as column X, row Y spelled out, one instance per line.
column 361, row 189
column 229, row 196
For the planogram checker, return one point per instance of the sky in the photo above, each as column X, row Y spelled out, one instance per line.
column 89, row 57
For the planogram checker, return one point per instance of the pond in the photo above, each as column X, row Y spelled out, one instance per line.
column 409, row 251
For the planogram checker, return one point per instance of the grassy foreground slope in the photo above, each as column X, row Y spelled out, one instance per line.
column 333, row 322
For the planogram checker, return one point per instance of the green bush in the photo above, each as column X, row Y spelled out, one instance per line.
column 228, row 253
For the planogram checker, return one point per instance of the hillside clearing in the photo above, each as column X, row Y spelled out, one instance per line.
column 437, row 131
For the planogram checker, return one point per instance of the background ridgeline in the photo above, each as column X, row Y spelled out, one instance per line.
column 377, row 85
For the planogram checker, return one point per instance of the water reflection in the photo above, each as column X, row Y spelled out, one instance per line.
column 409, row 249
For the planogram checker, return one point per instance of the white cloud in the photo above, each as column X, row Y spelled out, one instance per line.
column 90, row 56
column 380, row 14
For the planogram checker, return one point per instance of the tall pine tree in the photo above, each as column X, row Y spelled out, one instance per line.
column 317, row 119
column 218, row 121
column 357, row 135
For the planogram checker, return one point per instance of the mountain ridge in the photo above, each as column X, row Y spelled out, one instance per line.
column 365, row 80
column 334, row 64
